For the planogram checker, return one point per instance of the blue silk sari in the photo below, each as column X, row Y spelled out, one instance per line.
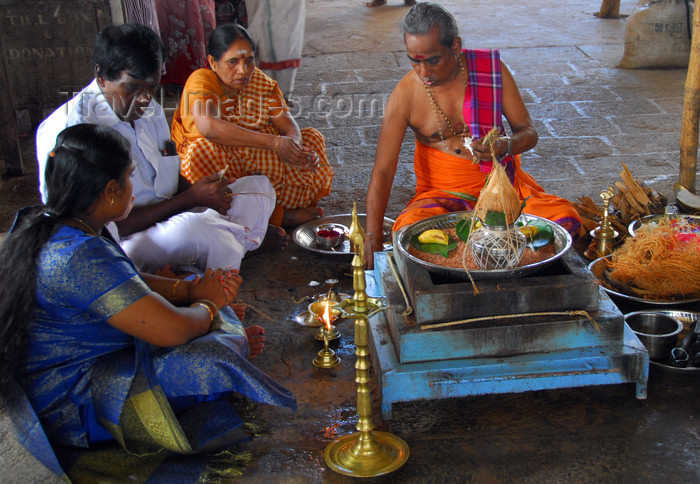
column 87, row 382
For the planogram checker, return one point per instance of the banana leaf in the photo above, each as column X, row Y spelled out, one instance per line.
column 442, row 249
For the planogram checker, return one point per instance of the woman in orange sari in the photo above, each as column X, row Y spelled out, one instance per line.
column 233, row 118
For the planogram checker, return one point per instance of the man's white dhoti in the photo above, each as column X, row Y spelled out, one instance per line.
column 198, row 240
column 193, row 240
column 277, row 26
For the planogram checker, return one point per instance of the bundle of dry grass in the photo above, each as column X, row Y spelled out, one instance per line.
column 658, row 264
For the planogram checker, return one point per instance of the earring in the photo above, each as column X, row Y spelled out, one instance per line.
column 111, row 202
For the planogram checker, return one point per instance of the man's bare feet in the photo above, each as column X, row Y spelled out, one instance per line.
column 297, row 216
column 256, row 340
column 375, row 3
column 275, row 239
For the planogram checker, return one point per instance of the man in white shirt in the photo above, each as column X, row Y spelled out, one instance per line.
column 211, row 223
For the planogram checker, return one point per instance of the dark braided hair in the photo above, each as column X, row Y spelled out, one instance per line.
column 85, row 158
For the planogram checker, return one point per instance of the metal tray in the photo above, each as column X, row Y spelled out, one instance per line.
column 637, row 224
column 562, row 243
column 687, row 318
column 305, row 235
column 598, row 266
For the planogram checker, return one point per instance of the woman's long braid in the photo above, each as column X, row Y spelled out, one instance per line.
column 19, row 256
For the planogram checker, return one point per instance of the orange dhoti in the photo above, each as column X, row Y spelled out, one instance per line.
column 438, row 172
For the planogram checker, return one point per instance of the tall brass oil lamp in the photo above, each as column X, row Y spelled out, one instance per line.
column 367, row 452
column 604, row 235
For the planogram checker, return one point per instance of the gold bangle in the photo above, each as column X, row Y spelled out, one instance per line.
column 206, row 306
column 175, row 289
column 211, row 303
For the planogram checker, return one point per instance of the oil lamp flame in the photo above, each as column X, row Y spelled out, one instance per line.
column 327, row 315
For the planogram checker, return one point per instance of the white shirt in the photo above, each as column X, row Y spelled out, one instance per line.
column 192, row 240
column 155, row 176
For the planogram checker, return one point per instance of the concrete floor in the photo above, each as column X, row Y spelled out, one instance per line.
column 591, row 117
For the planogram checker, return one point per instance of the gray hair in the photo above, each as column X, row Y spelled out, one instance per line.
column 424, row 16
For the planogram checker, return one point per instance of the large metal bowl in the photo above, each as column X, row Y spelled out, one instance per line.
column 562, row 243
column 597, row 268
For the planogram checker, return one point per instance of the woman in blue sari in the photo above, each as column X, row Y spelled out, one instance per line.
column 101, row 351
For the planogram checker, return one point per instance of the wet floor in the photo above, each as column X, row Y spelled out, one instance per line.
column 591, row 117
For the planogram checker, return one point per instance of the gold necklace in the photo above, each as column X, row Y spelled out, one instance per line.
column 466, row 134
column 90, row 229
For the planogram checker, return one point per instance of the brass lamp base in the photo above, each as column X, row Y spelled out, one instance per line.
column 358, row 456
column 333, row 333
column 602, row 244
column 326, row 358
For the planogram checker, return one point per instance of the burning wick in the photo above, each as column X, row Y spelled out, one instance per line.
column 327, row 316
column 326, row 358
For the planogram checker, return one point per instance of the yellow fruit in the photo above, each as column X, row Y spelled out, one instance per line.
column 529, row 230
column 433, row 236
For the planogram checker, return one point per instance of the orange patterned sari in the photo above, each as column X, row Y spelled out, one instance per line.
column 252, row 108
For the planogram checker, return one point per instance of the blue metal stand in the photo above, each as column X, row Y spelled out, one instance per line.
column 456, row 361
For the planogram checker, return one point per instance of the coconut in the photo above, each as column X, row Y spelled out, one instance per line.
column 499, row 196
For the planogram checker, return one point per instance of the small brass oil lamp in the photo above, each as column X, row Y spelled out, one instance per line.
column 326, row 358
column 318, row 309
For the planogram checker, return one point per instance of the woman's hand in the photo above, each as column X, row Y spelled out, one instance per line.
column 211, row 191
column 301, row 157
column 216, row 285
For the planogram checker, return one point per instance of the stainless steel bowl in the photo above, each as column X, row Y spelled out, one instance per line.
column 330, row 235
column 658, row 332
column 562, row 243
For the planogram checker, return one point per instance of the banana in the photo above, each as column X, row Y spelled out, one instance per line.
column 433, row 236
column 529, row 230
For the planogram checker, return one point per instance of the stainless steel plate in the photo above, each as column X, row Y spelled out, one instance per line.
column 669, row 368
column 305, row 235
column 597, row 267
column 562, row 243
column 305, row 318
column 637, row 224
